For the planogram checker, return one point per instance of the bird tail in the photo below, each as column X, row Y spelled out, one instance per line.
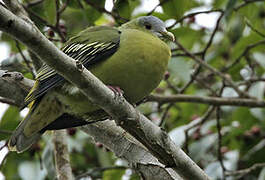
column 18, row 141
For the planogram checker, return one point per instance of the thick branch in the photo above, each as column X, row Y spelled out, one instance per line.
column 156, row 140
column 61, row 154
column 126, row 147
column 216, row 101
column 14, row 86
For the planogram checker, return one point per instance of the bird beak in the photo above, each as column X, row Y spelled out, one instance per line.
column 168, row 35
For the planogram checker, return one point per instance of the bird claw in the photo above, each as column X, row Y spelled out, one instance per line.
column 117, row 90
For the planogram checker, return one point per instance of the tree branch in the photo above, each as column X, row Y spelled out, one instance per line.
column 156, row 140
column 126, row 147
column 216, row 101
column 61, row 154
column 14, row 86
column 9, row 101
column 194, row 14
column 243, row 172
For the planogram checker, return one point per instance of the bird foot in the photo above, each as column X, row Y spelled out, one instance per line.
column 117, row 90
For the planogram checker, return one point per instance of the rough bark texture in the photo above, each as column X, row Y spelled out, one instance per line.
column 126, row 147
column 14, row 86
column 61, row 154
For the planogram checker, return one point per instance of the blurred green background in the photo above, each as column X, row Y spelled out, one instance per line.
column 238, row 38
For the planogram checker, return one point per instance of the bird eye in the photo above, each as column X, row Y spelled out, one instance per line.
column 148, row 26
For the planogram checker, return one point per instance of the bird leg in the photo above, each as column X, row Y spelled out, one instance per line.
column 117, row 90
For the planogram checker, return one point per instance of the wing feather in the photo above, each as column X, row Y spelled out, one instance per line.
column 92, row 50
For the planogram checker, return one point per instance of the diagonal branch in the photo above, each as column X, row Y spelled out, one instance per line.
column 126, row 147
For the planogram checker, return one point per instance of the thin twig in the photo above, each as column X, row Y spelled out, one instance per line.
column 64, row 6
column 207, row 86
column 251, row 80
column 219, row 127
column 164, row 116
column 46, row 23
column 59, row 11
column 243, row 172
column 199, row 123
column 227, row 79
column 216, row 101
column 254, row 29
column 160, row 4
column 2, row 131
column 9, row 101
column 245, row 3
column 99, row 169
column 194, row 14
column 212, row 35
column 184, row 54
column 25, row 59
column 102, row 9
column 244, row 53
column 203, row 53
column 172, row 87
column 34, row 3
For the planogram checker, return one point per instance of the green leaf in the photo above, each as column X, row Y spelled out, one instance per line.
column 255, row 26
column 50, row 11
column 235, row 29
column 243, row 42
column 8, row 39
column 40, row 11
column 74, row 4
column 229, row 8
column 176, row 8
column 113, row 174
column 9, row 120
column 125, row 7
column 91, row 14
column 10, row 166
column 187, row 36
column 219, row 3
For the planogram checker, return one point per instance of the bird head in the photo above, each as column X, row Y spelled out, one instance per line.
column 152, row 25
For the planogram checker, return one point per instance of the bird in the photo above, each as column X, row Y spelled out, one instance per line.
column 131, row 58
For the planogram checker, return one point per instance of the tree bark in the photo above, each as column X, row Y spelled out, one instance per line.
column 61, row 154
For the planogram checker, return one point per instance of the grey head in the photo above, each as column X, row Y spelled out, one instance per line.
column 150, row 24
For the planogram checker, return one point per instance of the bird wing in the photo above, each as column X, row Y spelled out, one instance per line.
column 89, row 47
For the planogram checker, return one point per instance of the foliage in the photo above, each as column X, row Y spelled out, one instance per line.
column 234, row 46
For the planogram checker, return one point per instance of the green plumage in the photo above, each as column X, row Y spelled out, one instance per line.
column 132, row 57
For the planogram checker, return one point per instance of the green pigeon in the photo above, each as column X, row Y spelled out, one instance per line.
column 132, row 57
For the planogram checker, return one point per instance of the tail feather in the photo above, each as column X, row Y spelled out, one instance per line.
column 18, row 141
